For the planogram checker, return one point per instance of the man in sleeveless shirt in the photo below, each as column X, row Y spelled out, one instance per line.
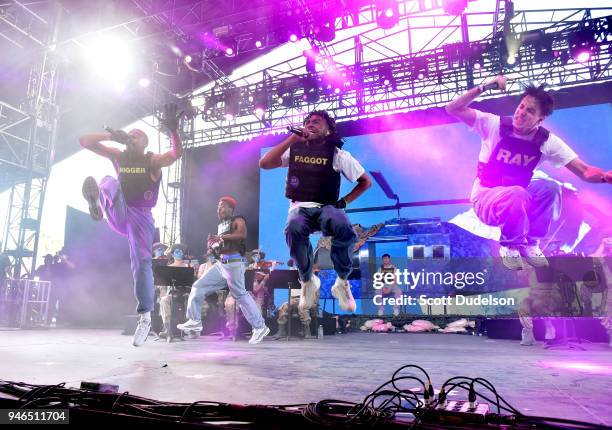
column 228, row 271
column 127, row 200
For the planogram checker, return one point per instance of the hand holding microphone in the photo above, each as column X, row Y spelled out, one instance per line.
column 119, row 136
column 299, row 132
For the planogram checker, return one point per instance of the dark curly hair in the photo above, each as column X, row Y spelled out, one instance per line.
column 334, row 137
column 542, row 97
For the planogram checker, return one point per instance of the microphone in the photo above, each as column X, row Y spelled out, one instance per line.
column 295, row 131
column 491, row 86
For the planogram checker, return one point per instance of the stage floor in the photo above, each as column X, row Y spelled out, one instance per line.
column 557, row 383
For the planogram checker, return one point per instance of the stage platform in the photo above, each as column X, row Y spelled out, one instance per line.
column 557, row 383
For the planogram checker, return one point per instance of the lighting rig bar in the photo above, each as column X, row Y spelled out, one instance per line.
column 407, row 82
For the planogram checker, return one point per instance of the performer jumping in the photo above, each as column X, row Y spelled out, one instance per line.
column 128, row 200
column 316, row 160
column 228, row 271
column 504, row 193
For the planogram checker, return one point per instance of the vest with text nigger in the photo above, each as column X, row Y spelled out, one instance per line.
column 311, row 176
column 513, row 160
column 135, row 179
column 225, row 227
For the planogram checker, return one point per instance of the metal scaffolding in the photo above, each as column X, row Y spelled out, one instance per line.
column 420, row 79
column 28, row 133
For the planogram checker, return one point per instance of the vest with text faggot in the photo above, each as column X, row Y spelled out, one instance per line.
column 311, row 176
column 513, row 160
column 135, row 179
column 225, row 227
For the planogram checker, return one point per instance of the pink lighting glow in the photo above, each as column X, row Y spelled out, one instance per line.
column 293, row 38
column 583, row 57
column 578, row 366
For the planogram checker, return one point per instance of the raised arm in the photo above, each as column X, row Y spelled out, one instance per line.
column 171, row 119
column 167, row 158
column 272, row 159
column 93, row 143
column 589, row 173
column 459, row 108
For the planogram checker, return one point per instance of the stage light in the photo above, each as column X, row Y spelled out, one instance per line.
column 109, row 58
column 188, row 59
column 511, row 60
column 144, row 82
column 326, row 30
column 258, row 44
column 581, row 45
column 477, row 65
column 420, row 68
column 311, row 90
column 387, row 13
column 229, row 51
column 337, row 90
column 293, row 37
column 231, row 100
column 119, row 87
column 454, row 7
column 386, row 76
column 259, row 111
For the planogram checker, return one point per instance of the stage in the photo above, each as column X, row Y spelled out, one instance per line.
column 560, row 383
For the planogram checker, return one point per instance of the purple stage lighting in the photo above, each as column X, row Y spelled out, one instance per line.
column 583, row 57
column 258, row 44
column 293, row 37
column 229, row 51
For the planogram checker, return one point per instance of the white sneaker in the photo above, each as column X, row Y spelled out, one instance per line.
column 534, row 256
column 308, row 295
column 190, row 325
column 511, row 258
column 259, row 334
column 527, row 338
column 91, row 192
column 142, row 331
column 342, row 291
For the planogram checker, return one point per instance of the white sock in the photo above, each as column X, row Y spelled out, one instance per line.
column 146, row 316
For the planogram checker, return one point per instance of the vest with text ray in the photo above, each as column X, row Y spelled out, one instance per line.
column 134, row 171
column 513, row 160
column 311, row 176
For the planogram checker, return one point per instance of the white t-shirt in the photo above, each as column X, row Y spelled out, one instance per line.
column 554, row 150
column 343, row 163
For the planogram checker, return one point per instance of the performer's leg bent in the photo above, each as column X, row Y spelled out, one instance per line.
column 297, row 235
column 113, row 204
column 545, row 207
column 506, row 207
column 234, row 276
column 335, row 223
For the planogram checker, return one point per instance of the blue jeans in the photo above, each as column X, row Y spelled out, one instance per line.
column 523, row 214
column 220, row 276
column 331, row 221
column 138, row 226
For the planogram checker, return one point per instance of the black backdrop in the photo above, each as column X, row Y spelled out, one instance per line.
column 213, row 171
